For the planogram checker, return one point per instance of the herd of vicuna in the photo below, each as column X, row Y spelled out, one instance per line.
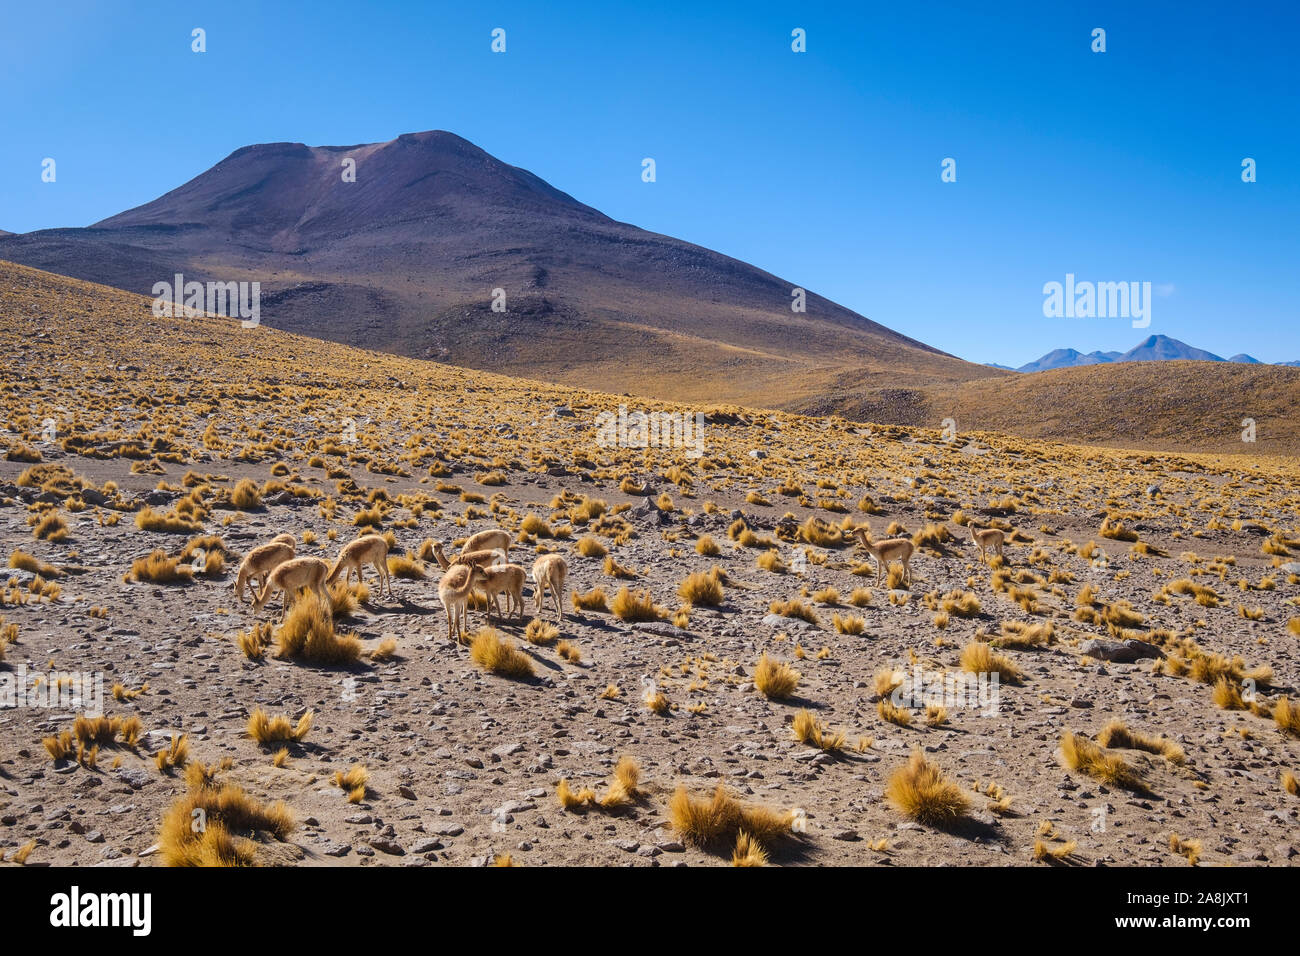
column 482, row 566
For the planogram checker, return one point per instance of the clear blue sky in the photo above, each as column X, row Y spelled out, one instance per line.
column 821, row 167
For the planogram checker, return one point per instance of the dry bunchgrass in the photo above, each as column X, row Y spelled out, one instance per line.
column 748, row 852
column 498, row 656
column 1290, row 783
column 1287, row 717
column 571, row 799
column 308, row 635
column 890, row 713
column 635, row 606
column 807, row 729
column 775, row 679
column 541, row 632
column 267, row 730
column 1117, row 734
column 1022, row 636
column 216, row 825
column 715, row 823
column 593, row 600
column 848, row 623
column 353, row 781
column 159, row 568
column 706, row 546
column 623, row 789
column 255, row 641
column 1188, row 848
column 920, row 790
column 385, row 650
column 702, row 589
column 1045, row 852
column 1085, row 756
column 22, row 561
column 980, row 658
column 795, row 609
column 590, row 547
column 245, row 496
column 174, row 756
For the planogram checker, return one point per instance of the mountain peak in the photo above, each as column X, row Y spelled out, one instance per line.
column 415, row 253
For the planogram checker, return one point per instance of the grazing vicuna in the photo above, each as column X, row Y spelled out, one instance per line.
column 454, row 590
column 887, row 551
column 367, row 549
column 490, row 540
column 507, row 579
column 550, row 570
column 261, row 561
column 482, row 558
column 987, row 539
column 292, row 576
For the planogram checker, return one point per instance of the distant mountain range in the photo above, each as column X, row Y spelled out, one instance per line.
column 1155, row 348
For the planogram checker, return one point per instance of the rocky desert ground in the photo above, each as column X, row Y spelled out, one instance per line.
column 1142, row 623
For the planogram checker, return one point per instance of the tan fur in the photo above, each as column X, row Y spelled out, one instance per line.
column 987, row 539
column 367, row 549
column 487, row 541
column 290, row 577
column 454, row 590
column 550, row 570
column 261, row 561
column 507, row 579
column 886, row 552
column 482, row 558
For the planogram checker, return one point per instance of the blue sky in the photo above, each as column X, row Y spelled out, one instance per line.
column 822, row 167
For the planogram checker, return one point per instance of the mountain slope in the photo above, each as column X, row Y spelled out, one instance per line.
column 406, row 258
column 1068, row 358
column 1161, row 348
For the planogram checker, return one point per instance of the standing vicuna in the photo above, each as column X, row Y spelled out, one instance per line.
column 507, row 579
column 367, row 549
column 886, row 552
column 550, row 570
column 454, row 590
column 492, row 540
column 292, row 576
column 261, row 561
column 482, row 558
column 987, row 539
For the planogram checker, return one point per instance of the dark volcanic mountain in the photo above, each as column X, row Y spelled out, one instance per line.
column 406, row 258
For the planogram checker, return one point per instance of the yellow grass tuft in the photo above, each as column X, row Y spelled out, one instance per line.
column 718, row 822
column 500, row 657
column 268, row 730
column 1188, row 848
column 921, row 791
column 703, row 588
column 353, row 780
column 1116, row 734
column 541, row 632
column 775, row 679
column 635, row 606
column 893, row 714
column 748, row 851
column 809, row 730
column 1287, row 717
column 980, row 658
column 214, row 825
column 308, row 634
column 1083, row 755
column 593, row 600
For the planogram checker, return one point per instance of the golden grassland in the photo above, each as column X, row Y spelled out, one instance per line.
column 1194, row 568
